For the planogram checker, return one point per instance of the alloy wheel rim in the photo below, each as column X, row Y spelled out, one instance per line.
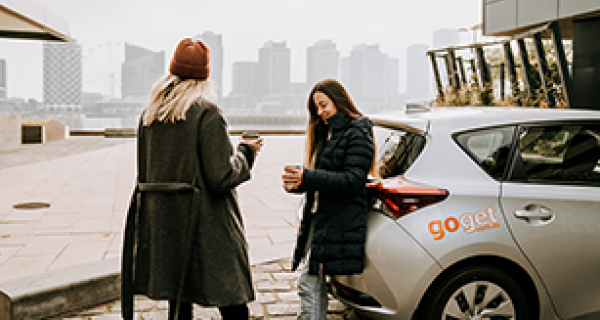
column 479, row 300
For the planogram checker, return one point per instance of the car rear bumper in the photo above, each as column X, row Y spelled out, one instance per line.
column 397, row 273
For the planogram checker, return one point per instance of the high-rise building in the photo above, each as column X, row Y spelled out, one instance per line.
column 368, row 73
column 215, row 45
column 245, row 78
column 417, row 72
column 2, row 79
column 140, row 71
column 445, row 38
column 63, row 80
column 322, row 62
column 274, row 62
column 357, row 70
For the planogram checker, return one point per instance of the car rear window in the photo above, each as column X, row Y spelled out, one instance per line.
column 397, row 150
column 490, row 148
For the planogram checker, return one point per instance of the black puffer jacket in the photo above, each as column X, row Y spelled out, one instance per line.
column 339, row 177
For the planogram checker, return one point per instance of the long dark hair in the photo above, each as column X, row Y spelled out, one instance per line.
column 343, row 103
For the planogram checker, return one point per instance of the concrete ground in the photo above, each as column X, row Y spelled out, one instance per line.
column 87, row 182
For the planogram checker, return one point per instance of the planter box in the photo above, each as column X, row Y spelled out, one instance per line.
column 42, row 131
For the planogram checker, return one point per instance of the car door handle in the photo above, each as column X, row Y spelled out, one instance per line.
column 534, row 212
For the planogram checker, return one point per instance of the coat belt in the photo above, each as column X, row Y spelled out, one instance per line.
column 165, row 187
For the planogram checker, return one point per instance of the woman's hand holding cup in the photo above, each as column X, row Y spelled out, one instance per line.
column 292, row 176
column 253, row 139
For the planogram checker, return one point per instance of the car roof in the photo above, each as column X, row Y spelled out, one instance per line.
column 465, row 118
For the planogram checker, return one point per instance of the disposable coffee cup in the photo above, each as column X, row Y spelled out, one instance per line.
column 293, row 167
column 250, row 135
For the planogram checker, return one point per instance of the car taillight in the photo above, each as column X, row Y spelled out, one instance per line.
column 402, row 197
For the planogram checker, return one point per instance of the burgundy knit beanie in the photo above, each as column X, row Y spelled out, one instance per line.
column 191, row 60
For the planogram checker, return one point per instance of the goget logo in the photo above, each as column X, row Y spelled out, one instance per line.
column 468, row 222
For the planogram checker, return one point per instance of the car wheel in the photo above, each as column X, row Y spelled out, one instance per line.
column 479, row 292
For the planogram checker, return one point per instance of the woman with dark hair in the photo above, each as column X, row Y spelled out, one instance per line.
column 184, row 237
column 338, row 157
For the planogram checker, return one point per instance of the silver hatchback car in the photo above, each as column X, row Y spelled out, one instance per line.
column 482, row 213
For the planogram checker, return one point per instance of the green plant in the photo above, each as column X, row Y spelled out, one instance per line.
column 469, row 94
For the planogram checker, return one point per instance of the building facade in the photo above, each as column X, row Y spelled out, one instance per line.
column 370, row 74
column 508, row 17
column 578, row 21
column 274, row 62
column 322, row 62
column 62, row 80
column 245, row 78
column 140, row 70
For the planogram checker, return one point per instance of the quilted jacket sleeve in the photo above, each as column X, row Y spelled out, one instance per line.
column 351, row 178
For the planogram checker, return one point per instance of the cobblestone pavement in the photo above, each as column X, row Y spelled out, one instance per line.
column 276, row 298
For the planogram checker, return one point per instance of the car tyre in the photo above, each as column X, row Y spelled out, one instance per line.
column 479, row 292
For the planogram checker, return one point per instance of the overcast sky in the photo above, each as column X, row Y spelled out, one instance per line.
column 245, row 25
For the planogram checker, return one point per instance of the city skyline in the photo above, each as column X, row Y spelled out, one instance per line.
column 265, row 86
column 120, row 60
column 391, row 24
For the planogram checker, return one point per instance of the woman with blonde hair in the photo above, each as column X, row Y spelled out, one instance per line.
column 184, row 238
column 338, row 157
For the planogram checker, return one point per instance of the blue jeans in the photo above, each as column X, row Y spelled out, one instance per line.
column 312, row 290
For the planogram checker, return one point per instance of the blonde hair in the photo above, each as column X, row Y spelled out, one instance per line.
column 171, row 98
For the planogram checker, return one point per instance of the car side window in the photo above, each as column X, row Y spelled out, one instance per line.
column 490, row 148
column 568, row 153
column 397, row 151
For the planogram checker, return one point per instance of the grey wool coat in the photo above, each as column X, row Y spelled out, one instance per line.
column 196, row 152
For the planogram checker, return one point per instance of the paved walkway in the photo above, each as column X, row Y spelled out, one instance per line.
column 88, row 191
column 87, row 181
